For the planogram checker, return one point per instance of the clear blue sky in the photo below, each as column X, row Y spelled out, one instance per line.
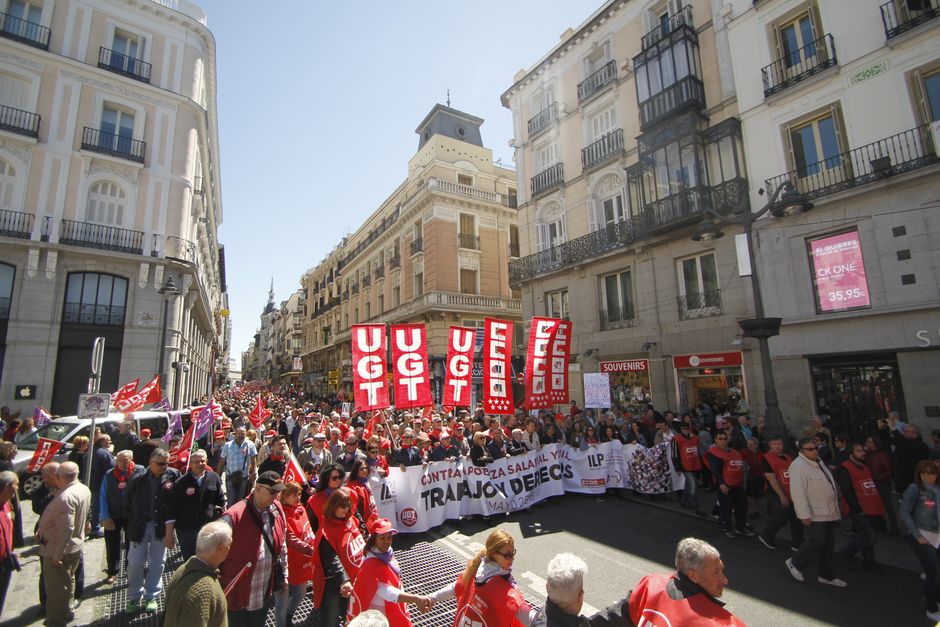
column 318, row 102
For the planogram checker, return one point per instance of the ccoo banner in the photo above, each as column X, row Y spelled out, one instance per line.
column 497, row 375
column 370, row 385
column 410, row 366
column 560, row 354
column 458, row 382
column 537, row 363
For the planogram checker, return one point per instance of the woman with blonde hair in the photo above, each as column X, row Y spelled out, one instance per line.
column 486, row 592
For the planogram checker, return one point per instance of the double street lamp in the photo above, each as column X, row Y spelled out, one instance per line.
column 785, row 201
column 170, row 292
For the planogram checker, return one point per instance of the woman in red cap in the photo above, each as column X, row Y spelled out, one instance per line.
column 338, row 548
column 486, row 592
column 378, row 585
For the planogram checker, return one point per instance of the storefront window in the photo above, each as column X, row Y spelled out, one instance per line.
column 854, row 392
column 629, row 384
column 713, row 378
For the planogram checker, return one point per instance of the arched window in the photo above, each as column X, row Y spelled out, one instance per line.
column 7, row 185
column 92, row 298
column 106, row 201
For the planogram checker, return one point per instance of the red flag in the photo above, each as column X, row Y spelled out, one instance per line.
column 370, row 383
column 45, row 451
column 537, row 367
column 447, row 409
column 458, row 381
column 497, row 375
column 324, row 426
column 179, row 456
column 259, row 414
column 560, row 354
column 125, row 391
column 370, row 426
column 427, row 412
column 410, row 366
column 150, row 393
column 294, row 472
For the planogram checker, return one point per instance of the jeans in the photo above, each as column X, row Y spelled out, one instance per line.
column 780, row 515
column 688, row 492
column 286, row 602
column 114, row 548
column 929, row 559
column 863, row 542
column 96, row 511
column 884, row 491
column 152, row 547
column 234, row 489
column 820, row 542
column 735, row 500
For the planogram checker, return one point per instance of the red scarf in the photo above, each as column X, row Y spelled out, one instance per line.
column 123, row 477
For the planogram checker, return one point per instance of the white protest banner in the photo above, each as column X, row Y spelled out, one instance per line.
column 597, row 390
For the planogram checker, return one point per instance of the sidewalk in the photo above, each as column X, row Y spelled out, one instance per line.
column 889, row 550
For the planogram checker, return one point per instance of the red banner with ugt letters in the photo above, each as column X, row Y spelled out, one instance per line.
column 497, row 371
column 458, row 380
column 537, row 363
column 370, row 384
column 45, row 451
column 560, row 354
column 410, row 366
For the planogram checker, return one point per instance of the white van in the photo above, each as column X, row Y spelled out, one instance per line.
column 67, row 428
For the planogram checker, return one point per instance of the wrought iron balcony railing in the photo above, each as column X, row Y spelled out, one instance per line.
column 543, row 119
column 102, row 237
column 682, row 18
column 24, row 31
column 180, row 250
column 380, row 272
column 468, row 241
column 548, row 179
column 123, row 64
column 594, row 83
column 354, row 289
column 113, row 144
column 685, row 205
column 417, row 245
column 19, row 121
column 617, row 318
column 604, row 149
column 101, row 315
column 700, row 305
column 910, row 150
column 366, row 281
column 799, row 65
column 16, row 224
column 900, row 16
column 686, row 93
column 395, row 261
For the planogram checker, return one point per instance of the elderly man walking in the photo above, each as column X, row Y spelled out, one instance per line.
column 113, row 512
column 816, row 503
column 61, row 535
column 196, row 499
column 194, row 595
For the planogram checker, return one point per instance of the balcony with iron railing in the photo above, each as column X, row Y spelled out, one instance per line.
column 180, row 249
column 911, row 150
column 354, row 289
column 366, row 281
column 467, row 191
column 19, row 121
column 417, row 245
column 596, row 82
column 395, row 261
column 16, row 224
column 99, row 315
column 126, row 65
column 901, row 16
column 468, row 241
column 88, row 235
column 617, row 318
column 664, row 27
column 608, row 147
column 542, row 120
column 700, row 305
column 799, row 65
column 379, row 272
column 24, row 31
column 548, row 179
column 686, row 93
column 113, row 144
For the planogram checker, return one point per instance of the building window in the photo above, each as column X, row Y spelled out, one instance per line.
column 368, row 310
column 105, row 204
column 7, row 273
column 669, row 76
column 699, row 294
column 556, row 304
column 419, row 284
column 381, row 304
column 468, row 281
column 545, row 157
column 927, row 93
column 417, row 230
column 612, row 210
column 7, row 185
column 619, row 308
column 602, row 123
column 396, row 296
column 465, row 179
column 356, row 315
column 795, row 38
column 815, row 147
column 513, row 240
column 117, row 130
column 95, row 299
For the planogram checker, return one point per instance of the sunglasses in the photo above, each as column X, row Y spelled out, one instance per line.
column 809, row 448
column 335, row 478
column 160, row 463
column 509, row 555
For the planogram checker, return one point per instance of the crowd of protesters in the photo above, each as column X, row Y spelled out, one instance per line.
column 262, row 539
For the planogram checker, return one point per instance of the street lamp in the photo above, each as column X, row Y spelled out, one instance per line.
column 169, row 291
column 784, row 202
column 178, row 368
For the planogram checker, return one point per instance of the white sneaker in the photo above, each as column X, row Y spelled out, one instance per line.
column 794, row 571
column 838, row 583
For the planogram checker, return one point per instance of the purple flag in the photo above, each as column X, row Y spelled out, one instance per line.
column 204, row 420
column 163, row 405
column 176, row 422
column 40, row 416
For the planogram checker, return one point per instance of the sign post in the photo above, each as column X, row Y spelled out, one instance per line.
column 94, row 383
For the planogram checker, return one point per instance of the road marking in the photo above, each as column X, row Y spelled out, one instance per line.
column 537, row 585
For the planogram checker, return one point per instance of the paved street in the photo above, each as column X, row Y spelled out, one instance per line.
column 621, row 539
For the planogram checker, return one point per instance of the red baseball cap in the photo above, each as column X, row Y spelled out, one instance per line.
column 145, row 433
column 218, row 434
column 380, row 526
column 270, row 434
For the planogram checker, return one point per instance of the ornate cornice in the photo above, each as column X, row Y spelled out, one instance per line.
column 119, row 89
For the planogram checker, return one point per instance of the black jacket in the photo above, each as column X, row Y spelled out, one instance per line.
column 138, row 501
column 192, row 505
column 617, row 615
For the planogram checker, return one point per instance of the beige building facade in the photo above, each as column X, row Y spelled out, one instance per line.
column 109, row 195
column 436, row 251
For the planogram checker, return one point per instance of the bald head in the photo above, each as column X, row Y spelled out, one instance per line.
column 67, row 473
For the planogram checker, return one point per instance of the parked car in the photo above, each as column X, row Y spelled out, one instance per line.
column 66, row 429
